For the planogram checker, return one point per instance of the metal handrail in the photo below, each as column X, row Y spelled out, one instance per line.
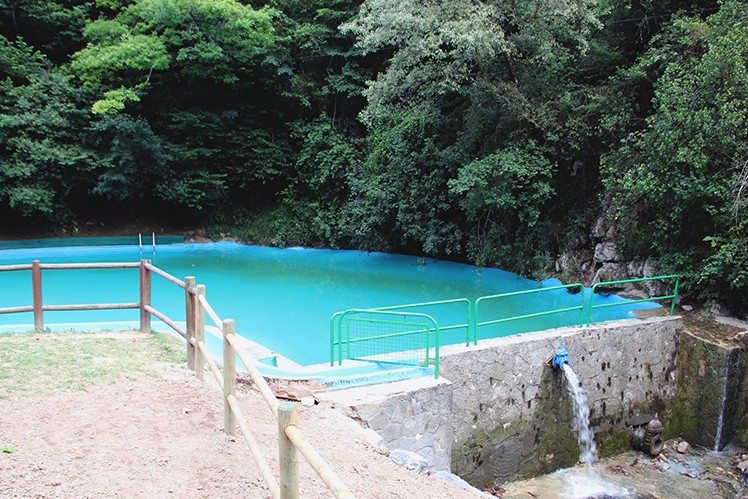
column 474, row 322
column 671, row 297
column 337, row 315
column 430, row 329
column 482, row 299
column 437, row 303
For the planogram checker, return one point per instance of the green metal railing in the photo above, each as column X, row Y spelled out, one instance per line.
column 384, row 336
column 380, row 330
column 442, row 303
column 671, row 297
column 501, row 296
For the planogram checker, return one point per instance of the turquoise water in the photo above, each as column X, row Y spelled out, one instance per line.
column 282, row 298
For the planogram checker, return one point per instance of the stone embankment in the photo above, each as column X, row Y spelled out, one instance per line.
column 499, row 411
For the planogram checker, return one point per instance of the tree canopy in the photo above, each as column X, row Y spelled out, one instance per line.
column 491, row 132
column 677, row 181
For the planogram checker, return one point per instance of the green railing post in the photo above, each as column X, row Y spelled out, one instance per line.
column 581, row 307
column 436, row 353
column 428, row 347
column 589, row 307
column 475, row 326
column 334, row 317
column 675, row 295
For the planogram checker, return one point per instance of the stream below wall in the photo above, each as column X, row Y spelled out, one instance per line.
column 711, row 469
column 693, row 473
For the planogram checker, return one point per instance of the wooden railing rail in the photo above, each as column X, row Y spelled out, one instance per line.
column 211, row 313
column 93, row 306
column 254, row 447
column 255, row 375
column 16, row 310
column 38, row 307
column 317, row 462
column 291, row 440
column 232, row 415
column 165, row 275
column 146, row 269
column 8, row 268
column 166, row 320
column 211, row 363
column 100, row 265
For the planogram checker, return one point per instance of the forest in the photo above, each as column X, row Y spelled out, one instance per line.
column 505, row 133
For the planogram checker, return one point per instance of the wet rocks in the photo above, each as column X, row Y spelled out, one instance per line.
column 409, row 460
column 742, row 464
column 683, row 447
column 606, row 252
column 742, row 338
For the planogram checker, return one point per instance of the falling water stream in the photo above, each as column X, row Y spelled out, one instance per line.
column 725, row 397
column 721, row 419
column 585, row 435
column 591, row 484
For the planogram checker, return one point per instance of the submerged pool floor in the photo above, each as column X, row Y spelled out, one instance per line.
column 281, row 299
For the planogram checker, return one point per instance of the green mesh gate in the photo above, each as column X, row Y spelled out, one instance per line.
column 405, row 338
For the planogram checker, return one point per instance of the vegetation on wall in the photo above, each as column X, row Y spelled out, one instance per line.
column 491, row 132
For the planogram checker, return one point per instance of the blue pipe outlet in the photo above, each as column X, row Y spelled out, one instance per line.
column 561, row 357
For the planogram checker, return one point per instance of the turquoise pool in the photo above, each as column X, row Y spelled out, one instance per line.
column 280, row 298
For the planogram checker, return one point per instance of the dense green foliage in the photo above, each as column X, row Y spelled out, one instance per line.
column 677, row 182
column 493, row 132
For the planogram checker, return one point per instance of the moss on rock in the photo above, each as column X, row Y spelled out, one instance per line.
column 707, row 372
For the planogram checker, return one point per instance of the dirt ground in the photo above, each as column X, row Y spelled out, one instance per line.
column 161, row 435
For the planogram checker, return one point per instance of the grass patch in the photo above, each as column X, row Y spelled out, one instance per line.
column 45, row 363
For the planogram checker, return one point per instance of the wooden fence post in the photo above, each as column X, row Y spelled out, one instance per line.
column 36, row 284
column 199, row 332
column 189, row 316
column 229, row 378
column 145, row 297
column 287, row 453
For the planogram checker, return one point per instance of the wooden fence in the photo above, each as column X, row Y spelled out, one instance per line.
column 291, row 440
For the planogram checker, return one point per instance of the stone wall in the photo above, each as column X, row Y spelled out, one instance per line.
column 510, row 410
column 413, row 415
column 499, row 411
